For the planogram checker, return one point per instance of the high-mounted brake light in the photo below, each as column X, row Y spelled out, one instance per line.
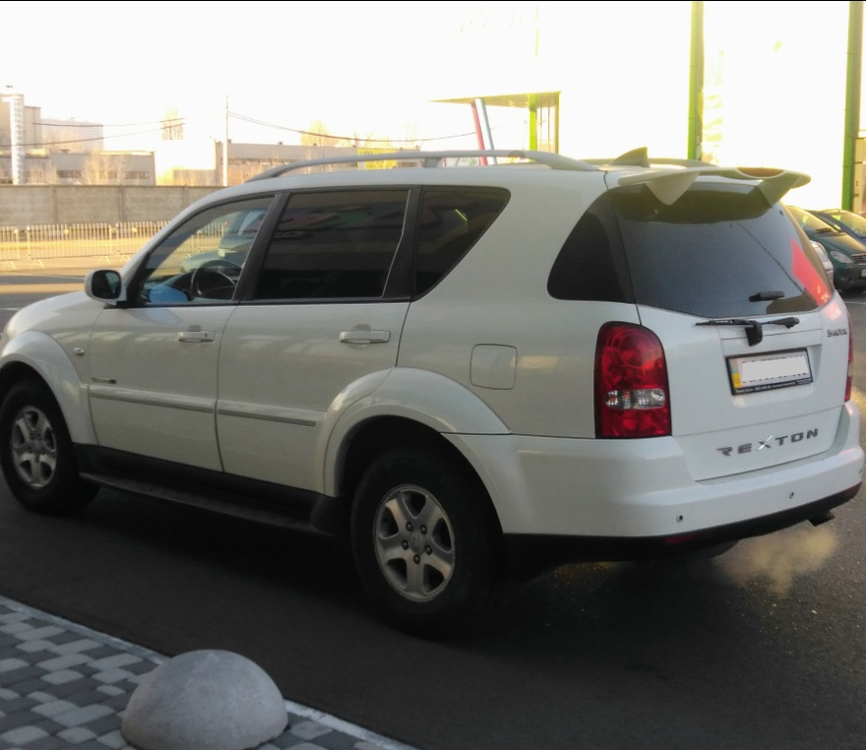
column 850, row 379
column 631, row 383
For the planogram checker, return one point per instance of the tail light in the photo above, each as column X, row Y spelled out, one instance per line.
column 631, row 383
column 849, row 380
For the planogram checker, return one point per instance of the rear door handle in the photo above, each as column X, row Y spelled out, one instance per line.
column 365, row 336
column 196, row 337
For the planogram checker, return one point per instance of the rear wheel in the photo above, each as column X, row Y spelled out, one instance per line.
column 36, row 452
column 425, row 545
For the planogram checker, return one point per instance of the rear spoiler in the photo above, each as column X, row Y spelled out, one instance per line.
column 668, row 185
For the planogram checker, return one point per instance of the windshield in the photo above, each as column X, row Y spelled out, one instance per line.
column 811, row 223
column 849, row 219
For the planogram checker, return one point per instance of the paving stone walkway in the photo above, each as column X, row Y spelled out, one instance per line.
column 64, row 686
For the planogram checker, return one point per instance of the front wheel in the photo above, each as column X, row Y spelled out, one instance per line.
column 36, row 452
column 425, row 544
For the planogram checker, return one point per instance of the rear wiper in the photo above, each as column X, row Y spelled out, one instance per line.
column 766, row 296
column 754, row 328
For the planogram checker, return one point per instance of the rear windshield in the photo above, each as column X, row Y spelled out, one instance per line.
column 719, row 251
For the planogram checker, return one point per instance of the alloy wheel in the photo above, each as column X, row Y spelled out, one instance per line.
column 34, row 447
column 414, row 543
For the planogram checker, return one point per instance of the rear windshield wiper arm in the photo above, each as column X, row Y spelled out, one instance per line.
column 754, row 328
column 766, row 296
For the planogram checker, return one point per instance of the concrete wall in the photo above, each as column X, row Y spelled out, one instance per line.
column 30, row 205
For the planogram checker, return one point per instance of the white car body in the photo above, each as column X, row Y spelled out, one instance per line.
column 486, row 361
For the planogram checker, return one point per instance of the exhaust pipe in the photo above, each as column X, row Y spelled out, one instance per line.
column 822, row 518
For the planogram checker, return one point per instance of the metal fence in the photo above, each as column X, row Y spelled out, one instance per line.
column 89, row 243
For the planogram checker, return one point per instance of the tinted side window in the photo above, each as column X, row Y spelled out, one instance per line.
column 451, row 221
column 586, row 267
column 334, row 244
column 201, row 260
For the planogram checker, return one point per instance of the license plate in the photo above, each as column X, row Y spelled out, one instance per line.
column 766, row 372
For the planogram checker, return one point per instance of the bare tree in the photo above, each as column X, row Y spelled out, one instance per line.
column 368, row 140
column 412, row 137
column 188, row 177
column 95, row 170
column 239, row 173
column 317, row 135
column 104, row 168
column 41, row 175
column 172, row 125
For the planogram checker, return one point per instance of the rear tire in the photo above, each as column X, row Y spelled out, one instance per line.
column 36, row 453
column 425, row 544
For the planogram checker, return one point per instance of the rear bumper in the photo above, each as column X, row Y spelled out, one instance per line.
column 561, row 500
column 530, row 554
column 850, row 277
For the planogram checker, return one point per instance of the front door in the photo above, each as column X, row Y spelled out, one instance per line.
column 153, row 362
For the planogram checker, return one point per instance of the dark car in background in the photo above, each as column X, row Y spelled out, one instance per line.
column 847, row 254
column 844, row 221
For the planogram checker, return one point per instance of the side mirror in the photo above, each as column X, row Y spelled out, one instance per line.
column 105, row 285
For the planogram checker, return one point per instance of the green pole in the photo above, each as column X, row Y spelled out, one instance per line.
column 696, row 83
column 533, row 122
column 852, row 103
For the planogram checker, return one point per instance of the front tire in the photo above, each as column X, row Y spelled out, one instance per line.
column 426, row 545
column 36, row 453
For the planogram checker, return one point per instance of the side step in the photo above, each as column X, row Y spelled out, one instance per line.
column 270, row 514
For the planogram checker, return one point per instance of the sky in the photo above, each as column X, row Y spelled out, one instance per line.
column 355, row 66
column 374, row 69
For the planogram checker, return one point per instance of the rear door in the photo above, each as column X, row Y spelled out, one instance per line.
column 317, row 330
column 756, row 342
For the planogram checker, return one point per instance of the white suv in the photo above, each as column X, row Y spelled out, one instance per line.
column 469, row 374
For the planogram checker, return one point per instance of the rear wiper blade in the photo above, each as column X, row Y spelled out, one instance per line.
column 766, row 296
column 754, row 328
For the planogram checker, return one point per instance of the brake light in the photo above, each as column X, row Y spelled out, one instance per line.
column 849, row 380
column 631, row 383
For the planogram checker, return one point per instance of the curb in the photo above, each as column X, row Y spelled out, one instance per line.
column 65, row 685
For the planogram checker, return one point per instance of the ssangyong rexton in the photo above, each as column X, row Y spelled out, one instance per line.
column 469, row 374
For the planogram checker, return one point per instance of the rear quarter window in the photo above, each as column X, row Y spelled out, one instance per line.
column 590, row 265
column 450, row 221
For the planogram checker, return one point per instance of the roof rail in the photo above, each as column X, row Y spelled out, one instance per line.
column 435, row 159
